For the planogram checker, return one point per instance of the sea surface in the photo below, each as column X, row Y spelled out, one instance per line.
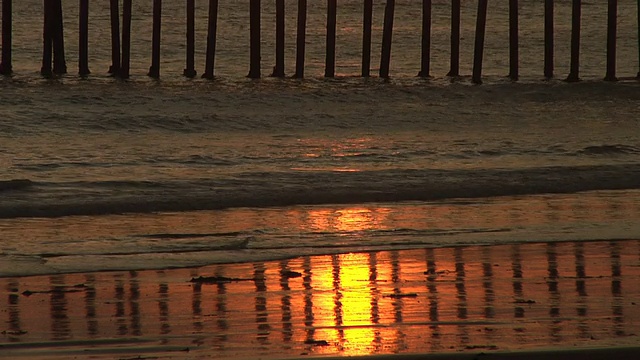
column 103, row 174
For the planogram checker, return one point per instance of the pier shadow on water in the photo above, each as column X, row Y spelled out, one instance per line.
column 505, row 297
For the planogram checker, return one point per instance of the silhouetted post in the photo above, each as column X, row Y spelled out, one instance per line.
column 455, row 38
column 638, row 39
column 6, row 67
column 254, row 14
column 367, row 22
column 59, row 61
column 576, row 15
column 387, row 36
column 47, row 54
column 330, row 60
column 612, row 30
column 126, row 39
column 481, row 25
column 278, row 70
column 115, row 37
column 209, row 70
column 190, row 70
column 425, row 63
column 548, row 38
column 301, row 37
column 513, row 41
column 83, row 51
column 154, row 70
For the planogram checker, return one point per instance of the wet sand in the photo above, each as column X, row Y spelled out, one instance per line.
column 552, row 300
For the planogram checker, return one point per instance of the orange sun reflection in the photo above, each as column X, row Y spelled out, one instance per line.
column 349, row 219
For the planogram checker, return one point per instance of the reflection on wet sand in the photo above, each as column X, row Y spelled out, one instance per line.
column 424, row 300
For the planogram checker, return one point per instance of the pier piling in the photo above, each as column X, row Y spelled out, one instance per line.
column 367, row 22
column 47, row 48
column 115, row 37
column 612, row 33
column 59, row 61
column 6, row 66
column 330, row 59
column 190, row 69
column 481, row 25
column 154, row 70
column 301, row 35
column 278, row 70
column 387, row 37
column 209, row 71
column 254, row 28
column 83, row 51
column 513, row 40
column 548, row 38
column 125, row 66
column 425, row 61
column 576, row 17
column 455, row 38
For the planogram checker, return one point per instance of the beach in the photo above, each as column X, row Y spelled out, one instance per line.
column 458, row 302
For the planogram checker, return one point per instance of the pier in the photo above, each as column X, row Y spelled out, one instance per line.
column 54, row 60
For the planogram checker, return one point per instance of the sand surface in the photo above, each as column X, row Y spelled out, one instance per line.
column 556, row 301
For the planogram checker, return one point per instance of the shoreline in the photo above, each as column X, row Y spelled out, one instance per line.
column 501, row 301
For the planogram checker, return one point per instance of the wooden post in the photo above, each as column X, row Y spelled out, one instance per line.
column 254, row 13
column 455, row 38
column 47, row 55
column 6, row 66
column 190, row 70
column 612, row 31
column 209, row 70
column 425, row 63
column 330, row 59
column 154, row 70
column 638, row 76
column 125, row 67
column 576, row 15
column 513, row 41
column 115, row 37
column 481, row 25
column 83, row 51
column 278, row 70
column 387, row 36
column 59, row 61
column 367, row 22
column 301, row 36
column 548, row 38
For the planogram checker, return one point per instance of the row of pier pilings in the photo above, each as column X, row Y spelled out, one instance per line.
column 53, row 59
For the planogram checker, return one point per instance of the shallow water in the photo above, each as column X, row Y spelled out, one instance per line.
column 462, row 300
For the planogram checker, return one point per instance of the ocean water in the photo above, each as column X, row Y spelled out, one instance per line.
column 101, row 174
